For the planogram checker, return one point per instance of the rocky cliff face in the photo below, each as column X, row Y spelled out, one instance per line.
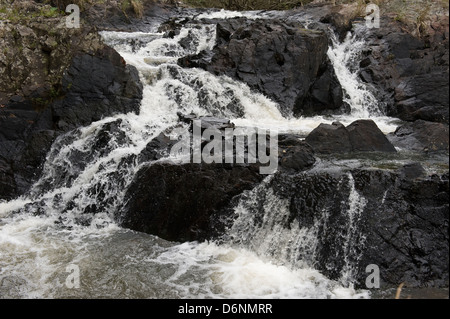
column 410, row 71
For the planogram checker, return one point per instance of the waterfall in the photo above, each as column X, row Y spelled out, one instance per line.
column 263, row 222
column 353, row 238
column 345, row 57
column 68, row 215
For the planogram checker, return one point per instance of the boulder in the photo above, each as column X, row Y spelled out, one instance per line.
column 95, row 86
column 365, row 136
column 409, row 70
column 176, row 202
column 359, row 136
column 294, row 154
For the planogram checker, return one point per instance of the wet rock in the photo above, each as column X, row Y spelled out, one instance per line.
column 7, row 182
column 422, row 136
column 399, row 224
column 365, row 136
column 157, row 148
column 54, row 79
column 325, row 93
column 407, row 234
column 327, row 139
column 282, row 60
column 294, row 154
column 410, row 71
column 175, row 202
column 412, row 171
column 96, row 86
column 359, row 136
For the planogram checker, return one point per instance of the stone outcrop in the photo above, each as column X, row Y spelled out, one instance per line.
column 422, row 136
column 284, row 61
column 175, row 202
column 410, row 71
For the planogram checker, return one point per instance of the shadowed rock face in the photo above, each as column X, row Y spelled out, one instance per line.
column 175, row 202
column 282, row 60
column 401, row 225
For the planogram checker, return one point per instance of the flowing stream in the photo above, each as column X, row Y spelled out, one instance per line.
column 54, row 226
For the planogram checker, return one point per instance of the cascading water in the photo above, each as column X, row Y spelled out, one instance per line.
column 345, row 58
column 89, row 169
column 354, row 240
column 263, row 223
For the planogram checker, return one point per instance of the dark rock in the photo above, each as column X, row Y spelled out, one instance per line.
column 157, row 148
column 365, row 136
column 295, row 156
column 327, row 139
column 113, row 16
column 199, row 60
column 436, row 113
column 215, row 123
column 359, row 136
column 97, row 86
column 421, row 136
column 412, row 171
column 410, row 72
column 407, row 231
column 282, row 60
column 7, row 182
column 325, row 93
column 82, row 81
column 176, row 202
column 341, row 23
column 401, row 224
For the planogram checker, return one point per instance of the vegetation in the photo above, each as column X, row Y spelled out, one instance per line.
column 18, row 10
column 134, row 5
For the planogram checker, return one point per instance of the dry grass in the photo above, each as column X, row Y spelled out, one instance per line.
column 138, row 8
column 399, row 290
